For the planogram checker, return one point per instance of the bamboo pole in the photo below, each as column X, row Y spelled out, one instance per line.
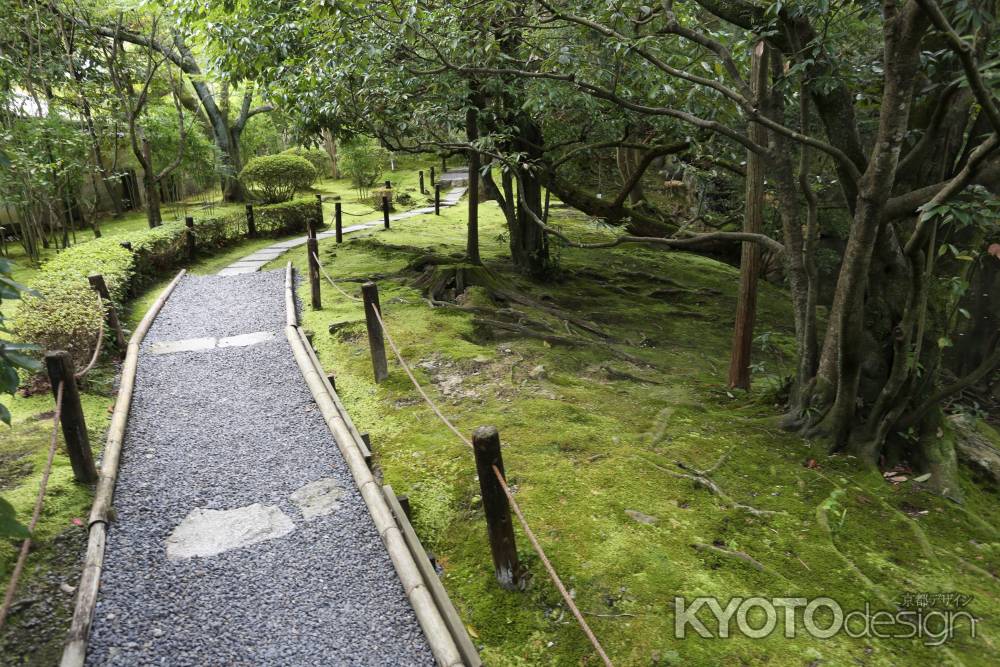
column 75, row 650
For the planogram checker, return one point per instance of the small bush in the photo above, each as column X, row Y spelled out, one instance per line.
column 404, row 199
column 363, row 160
column 276, row 178
column 375, row 198
column 317, row 157
column 64, row 315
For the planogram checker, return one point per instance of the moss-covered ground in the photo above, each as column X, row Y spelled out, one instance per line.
column 591, row 439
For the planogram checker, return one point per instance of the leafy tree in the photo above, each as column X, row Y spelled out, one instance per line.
column 363, row 161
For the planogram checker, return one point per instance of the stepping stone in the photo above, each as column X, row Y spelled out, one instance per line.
column 318, row 498
column 264, row 254
column 243, row 340
column 235, row 272
column 205, row 533
column 248, row 264
column 188, row 345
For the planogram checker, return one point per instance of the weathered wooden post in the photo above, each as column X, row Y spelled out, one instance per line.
column 388, row 184
column 338, row 215
column 74, row 428
column 420, row 175
column 437, row 199
column 319, row 207
column 189, row 223
column 444, row 163
column 376, row 342
column 404, row 502
column 499, row 527
column 432, row 175
column 98, row 285
column 312, row 248
column 385, row 211
column 251, row 223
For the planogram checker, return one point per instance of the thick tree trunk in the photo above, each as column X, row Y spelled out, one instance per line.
column 472, row 230
column 151, row 187
column 330, row 144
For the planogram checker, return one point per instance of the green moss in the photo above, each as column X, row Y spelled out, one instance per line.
column 582, row 446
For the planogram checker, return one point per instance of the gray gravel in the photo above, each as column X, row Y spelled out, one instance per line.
column 216, row 306
column 223, row 429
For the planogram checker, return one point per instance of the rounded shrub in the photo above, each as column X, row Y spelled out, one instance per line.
column 276, row 178
column 317, row 157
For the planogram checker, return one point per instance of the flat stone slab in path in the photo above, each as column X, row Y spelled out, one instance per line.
column 240, row 537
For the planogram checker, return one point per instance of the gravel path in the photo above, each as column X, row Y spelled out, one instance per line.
column 223, row 429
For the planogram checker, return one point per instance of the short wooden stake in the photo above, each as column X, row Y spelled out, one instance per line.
column 60, row 367
column 437, row 199
column 339, row 222
column 319, row 207
column 251, row 223
column 420, row 175
column 432, row 176
column 367, row 439
column 385, row 211
column 98, row 285
column 404, row 502
column 312, row 247
column 444, row 164
column 332, row 379
column 189, row 223
column 388, row 185
column 499, row 527
column 376, row 342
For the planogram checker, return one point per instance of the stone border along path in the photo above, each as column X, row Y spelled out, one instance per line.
column 240, row 537
column 255, row 261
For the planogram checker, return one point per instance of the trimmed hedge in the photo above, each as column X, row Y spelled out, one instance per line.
column 318, row 158
column 65, row 316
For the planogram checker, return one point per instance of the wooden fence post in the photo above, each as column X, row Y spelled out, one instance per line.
column 98, row 285
column 376, row 342
column 444, row 164
column 74, row 428
column 251, row 223
column 432, row 175
column 420, row 175
column 312, row 249
column 499, row 527
column 319, row 207
column 388, row 184
column 437, row 199
column 385, row 211
column 339, row 222
column 189, row 223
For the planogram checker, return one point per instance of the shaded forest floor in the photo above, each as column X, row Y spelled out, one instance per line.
column 604, row 442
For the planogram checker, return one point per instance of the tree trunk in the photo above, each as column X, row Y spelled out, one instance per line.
column 151, row 187
column 472, row 232
column 753, row 222
column 330, row 144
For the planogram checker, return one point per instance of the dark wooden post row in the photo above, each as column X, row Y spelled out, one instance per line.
column 420, row 175
column 98, row 285
column 312, row 249
column 499, row 527
column 189, row 223
column 251, row 223
column 437, row 199
column 60, row 367
column 385, row 211
column 338, row 215
column 376, row 342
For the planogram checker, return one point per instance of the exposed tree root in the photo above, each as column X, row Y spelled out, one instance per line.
column 615, row 374
column 522, row 330
column 740, row 556
column 713, row 488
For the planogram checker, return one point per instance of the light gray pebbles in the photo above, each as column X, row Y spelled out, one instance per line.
column 223, row 429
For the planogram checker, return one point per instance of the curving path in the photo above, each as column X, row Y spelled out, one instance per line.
column 255, row 261
column 240, row 537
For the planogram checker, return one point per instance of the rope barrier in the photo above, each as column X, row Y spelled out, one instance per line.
column 36, row 514
column 97, row 348
column 553, row 575
column 330, row 280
